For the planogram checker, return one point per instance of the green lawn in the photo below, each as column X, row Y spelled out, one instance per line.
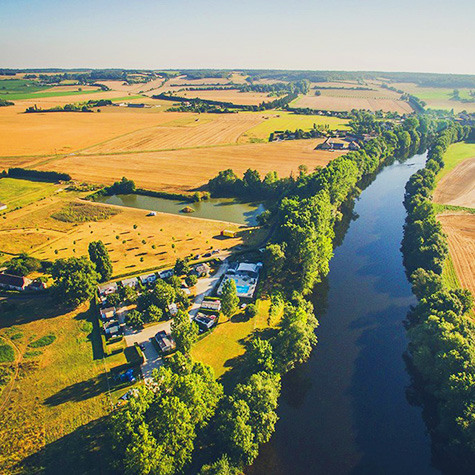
column 288, row 121
column 457, row 153
column 18, row 193
column 449, row 277
column 61, row 391
column 227, row 342
column 10, row 87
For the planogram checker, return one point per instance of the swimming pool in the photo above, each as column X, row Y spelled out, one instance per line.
column 243, row 289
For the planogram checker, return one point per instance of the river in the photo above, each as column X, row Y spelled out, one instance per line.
column 346, row 410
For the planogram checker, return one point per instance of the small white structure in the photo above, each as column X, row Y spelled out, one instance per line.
column 148, row 279
column 173, row 309
column 3, row 206
column 132, row 282
column 106, row 289
column 108, row 313
column 14, row 282
column 211, row 305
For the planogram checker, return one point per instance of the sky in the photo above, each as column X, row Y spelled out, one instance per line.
column 369, row 35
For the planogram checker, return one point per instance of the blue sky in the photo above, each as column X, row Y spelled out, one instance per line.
column 417, row 35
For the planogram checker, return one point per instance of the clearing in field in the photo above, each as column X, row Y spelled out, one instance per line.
column 456, row 182
column 229, row 95
column 460, row 229
column 188, row 169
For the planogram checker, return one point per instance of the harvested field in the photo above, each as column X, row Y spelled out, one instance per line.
column 458, row 187
column 460, row 229
column 66, row 132
column 346, row 101
column 229, row 95
column 195, row 131
column 182, row 170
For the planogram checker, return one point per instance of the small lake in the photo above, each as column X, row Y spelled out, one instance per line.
column 220, row 209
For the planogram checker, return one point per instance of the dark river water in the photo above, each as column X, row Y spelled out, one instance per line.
column 345, row 411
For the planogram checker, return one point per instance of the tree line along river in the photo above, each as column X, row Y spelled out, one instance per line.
column 348, row 409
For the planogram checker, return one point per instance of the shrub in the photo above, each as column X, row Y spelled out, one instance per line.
column 7, row 354
column 43, row 341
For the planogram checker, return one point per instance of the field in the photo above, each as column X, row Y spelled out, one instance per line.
column 60, row 386
column 348, row 100
column 460, row 229
column 230, row 95
column 288, row 121
column 49, row 229
column 438, row 98
column 188, row 169
column 223, row 348
column 185, row 132
column 456, row 182
column 17, row 193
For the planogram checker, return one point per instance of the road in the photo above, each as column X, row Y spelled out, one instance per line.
column 153, row 359
column 205, row 286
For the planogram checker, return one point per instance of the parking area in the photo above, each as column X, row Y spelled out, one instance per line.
column 152, row 357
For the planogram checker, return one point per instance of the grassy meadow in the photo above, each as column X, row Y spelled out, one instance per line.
column 456, row 153
column 18, row 193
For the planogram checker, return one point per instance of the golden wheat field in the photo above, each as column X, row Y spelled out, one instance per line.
column 460, row 229
column 457, row 188
column 188, row 169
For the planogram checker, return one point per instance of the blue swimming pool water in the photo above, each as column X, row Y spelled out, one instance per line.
column 243, row 289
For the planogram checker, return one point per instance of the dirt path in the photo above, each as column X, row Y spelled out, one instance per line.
column 458, row 187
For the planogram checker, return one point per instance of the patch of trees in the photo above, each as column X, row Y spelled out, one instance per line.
column 4, row 103
column 100, row 257
column 440, row 327
column 23, row 265
column 38, row 175
column 298, row 134
column 294, row 87
column 156, row 432
column 122, row 187
column 80, row 107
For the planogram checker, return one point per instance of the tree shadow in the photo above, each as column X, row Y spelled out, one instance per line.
column 80, row 391
column 86, row 450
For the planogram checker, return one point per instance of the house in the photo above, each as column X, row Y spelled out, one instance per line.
column 165, row 274
column 112, row 328
column 165, row 342
column 3, row 206
column 246, row 268
column 132, row 282
column 173, row 309
column 211, row 305
column 202, row 269
column 136, row 106
column 205, row 322
column 327, row 145
column 37, row 285
column 108, row 313
column 106, row 289
column 14, row 282
column 148, row 279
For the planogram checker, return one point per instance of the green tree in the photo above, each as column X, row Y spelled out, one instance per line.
column 425, row 283
column 163, row 294
column 251, row 310
column 153, row 313
column 181, row 267
column 184, row 332
column 75, row 280
column 229, row 298
column 100, row 256
column 222, row 466
column 191, row 280
column 135, row 319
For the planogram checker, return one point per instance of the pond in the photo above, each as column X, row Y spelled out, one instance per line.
column 348, row 409
column 220, row 209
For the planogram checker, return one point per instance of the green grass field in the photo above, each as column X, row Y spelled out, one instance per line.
column 288, row 121
column 457, row 153
column 18, row 193
column 227, row 342
column 449, row 276
column 10, row 87
column 62, row 388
